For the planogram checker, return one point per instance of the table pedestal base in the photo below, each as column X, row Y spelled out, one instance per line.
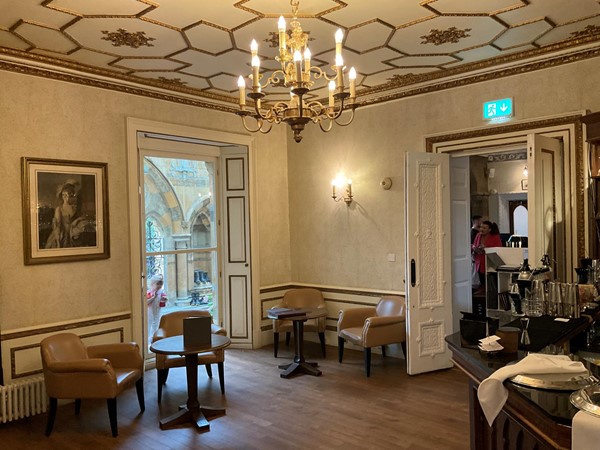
column 199, row 417
column 294, row 368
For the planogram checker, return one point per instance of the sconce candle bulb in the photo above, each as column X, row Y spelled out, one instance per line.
column 344, row 184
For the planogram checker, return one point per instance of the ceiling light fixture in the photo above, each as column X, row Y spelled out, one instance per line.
column 299, row 76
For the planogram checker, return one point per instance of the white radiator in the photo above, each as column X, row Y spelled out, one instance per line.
column 23, row 399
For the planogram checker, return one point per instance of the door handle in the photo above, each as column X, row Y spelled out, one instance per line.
column 413, row 273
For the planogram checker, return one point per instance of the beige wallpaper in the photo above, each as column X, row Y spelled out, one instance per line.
column 304, row 236
column 50, row 119
column 335, row 245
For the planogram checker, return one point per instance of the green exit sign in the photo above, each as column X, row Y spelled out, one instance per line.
column 497, row 109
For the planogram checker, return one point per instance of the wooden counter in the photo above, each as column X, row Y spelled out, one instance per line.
column 522, row 424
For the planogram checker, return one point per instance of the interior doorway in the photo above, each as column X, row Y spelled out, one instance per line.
column 514, row 137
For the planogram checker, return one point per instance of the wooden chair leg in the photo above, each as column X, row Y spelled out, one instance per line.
column 139, row 387
column 275, row 343
column 288, row 335
column 368, row 361
column 161, row 379
column 221, row 377
column 322, row 339
column 51, row 415
column 208, row 370
column 340, row 348
column 383, row 351
column 77, row 406
column 403, row 344
column 112, row 415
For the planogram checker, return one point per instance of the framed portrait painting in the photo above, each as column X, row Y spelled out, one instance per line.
column 65, row 210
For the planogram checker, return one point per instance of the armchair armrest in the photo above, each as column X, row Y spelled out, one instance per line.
column 379, row 321
column 216, row 329
column 354, row 317
column 99, row 365
column 159, row 334
column 121, row 355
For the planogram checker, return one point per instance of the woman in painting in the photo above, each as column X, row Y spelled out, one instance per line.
column 68, row 225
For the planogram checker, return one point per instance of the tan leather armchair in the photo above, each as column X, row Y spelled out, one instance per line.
column 171, row 324
column 372, row 326
column 300, row 298
column 74, row 371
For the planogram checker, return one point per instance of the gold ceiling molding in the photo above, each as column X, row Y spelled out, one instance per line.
column 177, row 81
column 113, row 86
column 450, row 36
column 122, row 37
column 487, row 64
column 91, row 70
column 578, row 150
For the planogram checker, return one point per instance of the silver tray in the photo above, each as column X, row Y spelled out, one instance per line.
column 556, row 381
column 587, row 399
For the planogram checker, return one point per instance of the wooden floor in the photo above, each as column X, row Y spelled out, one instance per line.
column 340, row 409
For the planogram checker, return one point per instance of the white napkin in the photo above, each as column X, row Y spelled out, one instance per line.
column 492, row 394
column 585, row 433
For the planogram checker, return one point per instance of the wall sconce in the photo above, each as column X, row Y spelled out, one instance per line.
column 344, row 184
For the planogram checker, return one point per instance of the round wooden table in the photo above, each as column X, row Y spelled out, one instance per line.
column 191, row 411
column 300, row 365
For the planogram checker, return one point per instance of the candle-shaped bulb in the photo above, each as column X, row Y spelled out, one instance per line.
column 333, row 188
column 281, row 27
column 253, row 48
column 352, row 77
column 255, row 67
column 242, row 87
column 307, row 60
column 349, row 187
column 298, row 65
column 339, row 36
column 339, row 61
column 331, row 90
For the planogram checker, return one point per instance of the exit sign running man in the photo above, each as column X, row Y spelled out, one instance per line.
column 498, row 109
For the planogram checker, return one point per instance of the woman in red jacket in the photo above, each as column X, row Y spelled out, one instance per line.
column 489, row 236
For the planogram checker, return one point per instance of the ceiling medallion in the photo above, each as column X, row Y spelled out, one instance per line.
column 590, row 30
column 175, row 81
column 450, row 36
column 298, row 75
column 403, row 79
column 124, row 37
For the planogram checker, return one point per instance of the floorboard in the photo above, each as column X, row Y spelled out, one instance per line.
column 342, row 409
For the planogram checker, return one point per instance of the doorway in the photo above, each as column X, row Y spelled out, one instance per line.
column 180, row 244
column 185, row 226
column 573, row 230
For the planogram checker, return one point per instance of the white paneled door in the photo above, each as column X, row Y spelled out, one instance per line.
column 428, row 261
column 237, row 283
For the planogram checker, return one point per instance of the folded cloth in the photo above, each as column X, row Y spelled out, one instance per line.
column 492, row 394
column 585, row 433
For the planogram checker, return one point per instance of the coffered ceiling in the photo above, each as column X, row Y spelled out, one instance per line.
column 193, row 50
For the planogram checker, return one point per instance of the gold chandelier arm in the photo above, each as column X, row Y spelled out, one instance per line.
column 344, row 124
column 329, row 122
column 319, row 73
column 259, row 125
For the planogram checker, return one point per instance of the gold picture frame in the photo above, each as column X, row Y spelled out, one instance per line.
column 65, row 210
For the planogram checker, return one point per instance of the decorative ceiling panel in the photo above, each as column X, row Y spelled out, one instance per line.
column 200, row 47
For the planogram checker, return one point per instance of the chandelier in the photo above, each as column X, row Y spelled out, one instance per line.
column 299, row 76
